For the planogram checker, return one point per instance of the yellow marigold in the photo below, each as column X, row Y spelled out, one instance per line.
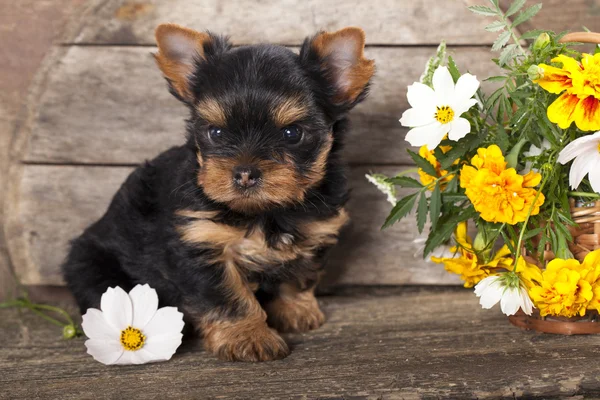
column 563, row 291
column 427, row 179
column 499, row 194
column 470, row 268
column 580, row 82
column 529, row 273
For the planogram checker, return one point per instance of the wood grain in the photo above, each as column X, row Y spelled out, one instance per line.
column 58, row 202
column 560, row 15
column 110, row 105
column 398, row 344
column 287, row 22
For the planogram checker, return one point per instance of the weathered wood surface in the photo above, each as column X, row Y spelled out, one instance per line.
column 111, row 105
column 561, row 15
column 415, row 22
column 407, row 344
column 58, row 202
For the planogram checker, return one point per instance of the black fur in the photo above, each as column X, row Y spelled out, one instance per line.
column 137, row 241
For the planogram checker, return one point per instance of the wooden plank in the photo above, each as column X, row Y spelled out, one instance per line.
column 110, row 105
column 407, row 344
column 285, row 22
column 560, row 15
column 58, row 202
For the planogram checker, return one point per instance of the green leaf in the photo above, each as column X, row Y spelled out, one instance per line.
column 495, row 4
column 435, row 205
column 532, row 232
column 422, row 212
column 501, row 41
column 507, row 54
column 495, row 26
column 405, row 181
column 526, row 15
column 500, row 78
column 502, row 139
column 482, row 10
column 453, row 69
column 453, row 198
column 400, row 210
column 515, row 6
column 422, row 163
column 445, row 228
column 529, row 35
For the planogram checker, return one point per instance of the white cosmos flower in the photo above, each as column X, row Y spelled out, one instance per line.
column 131, row 329
column 437, row 112
column 586, row 152
column 507, row 289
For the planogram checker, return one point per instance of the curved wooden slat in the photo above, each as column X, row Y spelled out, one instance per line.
column 58, row 202
column 287, row 22
column 110, row 105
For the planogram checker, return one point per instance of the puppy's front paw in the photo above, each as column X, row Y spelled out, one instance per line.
column 300, row 313
column 244, row 341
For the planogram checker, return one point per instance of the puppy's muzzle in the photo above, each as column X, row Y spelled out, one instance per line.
column 246, row 176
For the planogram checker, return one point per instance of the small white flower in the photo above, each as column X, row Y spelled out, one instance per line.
column 586, row 152
column 533, row 152
column 384, row 187
column 507, row 289
column 131, row 329
column 437, row 112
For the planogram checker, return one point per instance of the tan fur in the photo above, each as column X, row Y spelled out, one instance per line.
column 294, row 310
column 360, row 72
column 249, row 250
column 289, row 111
column 212, row 112
column 172, row 67
column 248, row 339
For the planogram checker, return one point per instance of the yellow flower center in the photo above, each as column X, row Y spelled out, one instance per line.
column 444, row 114
column 132, row 339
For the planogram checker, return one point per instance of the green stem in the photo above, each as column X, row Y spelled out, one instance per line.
column 56, row 310
column 522, row 233
column 584, row 194
column 46, row 317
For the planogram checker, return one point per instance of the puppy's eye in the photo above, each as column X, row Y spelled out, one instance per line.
column 292, row 134
column 214, row 132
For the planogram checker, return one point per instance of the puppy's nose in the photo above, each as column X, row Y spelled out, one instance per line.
column 245, row 176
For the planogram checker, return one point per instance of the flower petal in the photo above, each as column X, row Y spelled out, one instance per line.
column 420, row 95
column 461, row 107
column 594, row 176
column 105, row 351
column 117, row 309
column 144, row 301
column 578, row 146
column 443, row 84
column 587, row 114
column 141, row 356
column 561, row 111
column 511, row 301
column 459, row 129
column 163, row 347
column 167, row 320
column 581, row 166
column 555, row 80
column 430, row 135
column 418, row 116
column 95, row 326
column 466, row 87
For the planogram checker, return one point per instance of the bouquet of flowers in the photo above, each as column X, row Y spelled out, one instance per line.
column 521, row 164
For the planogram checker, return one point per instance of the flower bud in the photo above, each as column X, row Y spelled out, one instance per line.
column 69, row 332
column 535, row 72
column 542, row 41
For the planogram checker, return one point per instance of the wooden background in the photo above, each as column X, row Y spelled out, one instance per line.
column 98, row 106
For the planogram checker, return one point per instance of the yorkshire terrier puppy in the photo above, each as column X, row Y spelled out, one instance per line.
column 233, row 227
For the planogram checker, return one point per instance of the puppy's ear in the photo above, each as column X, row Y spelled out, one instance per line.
column 340, row 59
column 180, row 51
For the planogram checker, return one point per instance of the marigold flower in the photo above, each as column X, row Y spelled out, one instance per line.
column 563, row 291
column 470, row 268
column 580, row 81
column 427, row 179
column 497, row 193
